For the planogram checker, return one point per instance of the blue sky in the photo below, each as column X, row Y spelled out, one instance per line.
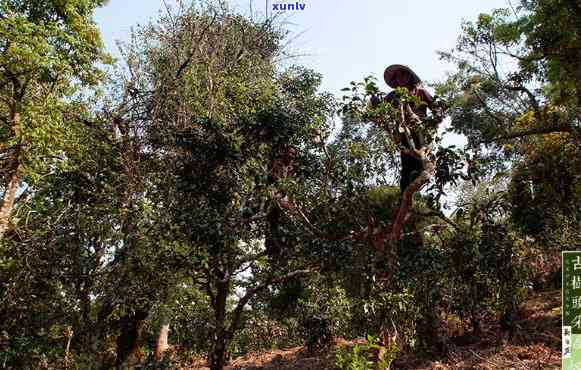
column 345, row 40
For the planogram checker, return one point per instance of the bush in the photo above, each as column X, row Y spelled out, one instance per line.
column 372, row 355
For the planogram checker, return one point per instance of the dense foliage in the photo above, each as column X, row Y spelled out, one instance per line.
column 207, row 192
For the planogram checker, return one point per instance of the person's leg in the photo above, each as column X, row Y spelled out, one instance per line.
column 411, row 168
column 416, row 169
column 415, row 165
column 418, row 139
column 406, row 170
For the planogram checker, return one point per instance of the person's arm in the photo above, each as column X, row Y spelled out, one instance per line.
column 374, row 101
column 425, row 96
column 389, row 98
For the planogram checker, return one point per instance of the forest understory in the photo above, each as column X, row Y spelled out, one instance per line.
column 536, row 346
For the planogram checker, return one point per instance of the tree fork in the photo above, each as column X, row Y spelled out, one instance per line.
column 224, row 333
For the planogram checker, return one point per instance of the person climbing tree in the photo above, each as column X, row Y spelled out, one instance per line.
column 400, row 76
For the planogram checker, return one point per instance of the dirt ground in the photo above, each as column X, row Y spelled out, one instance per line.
column 536, row 345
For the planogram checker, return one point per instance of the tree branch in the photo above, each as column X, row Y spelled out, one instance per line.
column 530, row 95
column 534, row 131
column 186, row 62
column 398, row 224
column 440, row 215
column 249, row 294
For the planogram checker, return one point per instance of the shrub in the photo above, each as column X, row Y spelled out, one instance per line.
column 368, row 356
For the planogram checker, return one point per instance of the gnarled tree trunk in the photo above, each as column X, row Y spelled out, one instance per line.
column 224, row 333
column 8, row 201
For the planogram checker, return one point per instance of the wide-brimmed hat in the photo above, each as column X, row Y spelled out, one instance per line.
column 393, row 70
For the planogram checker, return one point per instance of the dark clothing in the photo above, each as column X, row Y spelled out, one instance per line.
column 418, row 92
column 411, row 167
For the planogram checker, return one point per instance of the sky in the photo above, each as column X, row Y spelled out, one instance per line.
column 343, row 40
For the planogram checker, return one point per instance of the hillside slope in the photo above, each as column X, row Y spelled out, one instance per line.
column 536, row 345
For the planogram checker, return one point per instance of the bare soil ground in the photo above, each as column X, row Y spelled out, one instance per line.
column 536, row 345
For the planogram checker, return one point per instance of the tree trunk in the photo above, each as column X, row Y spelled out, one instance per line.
column 131, row 326
column 162, row 339
column 428, row 171
column 218, row 355
column 8, row 202
column 88, row 327
column 217, row 358
column 14, row 180
column 272, row 240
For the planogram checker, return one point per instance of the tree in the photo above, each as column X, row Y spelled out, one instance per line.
column 524, row 118
column 395, row 120
column 515, row 96
column 46, row 47
column 215, row 115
